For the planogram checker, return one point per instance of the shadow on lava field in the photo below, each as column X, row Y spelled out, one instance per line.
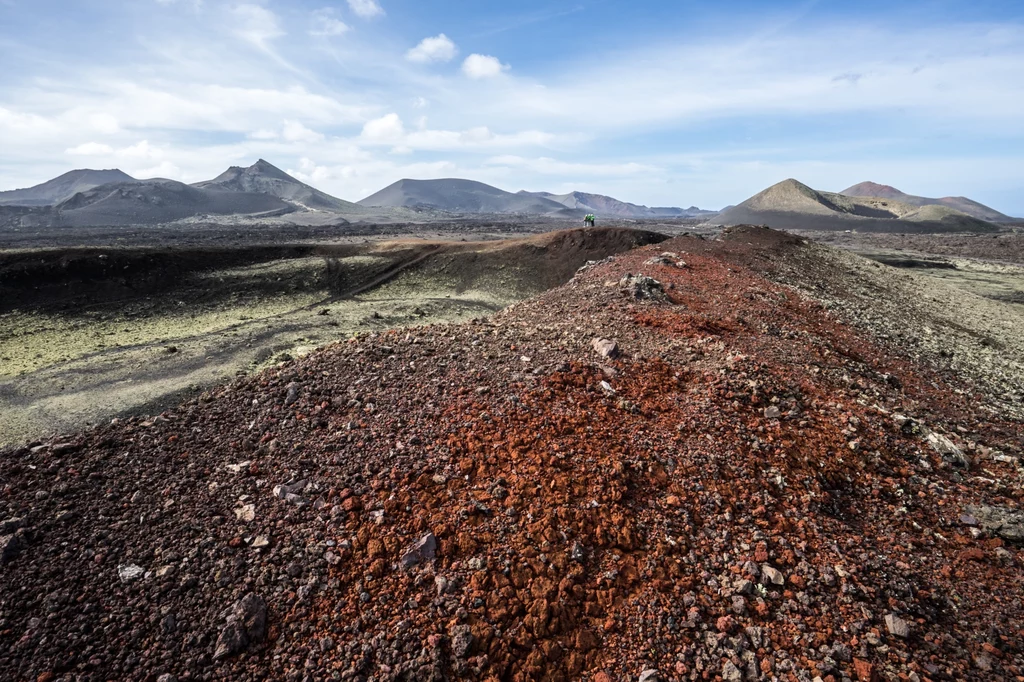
column 88, row 334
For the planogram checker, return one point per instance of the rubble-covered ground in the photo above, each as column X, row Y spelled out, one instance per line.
column 703, row 459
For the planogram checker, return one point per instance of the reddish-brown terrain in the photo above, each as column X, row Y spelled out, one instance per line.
column 710, row 476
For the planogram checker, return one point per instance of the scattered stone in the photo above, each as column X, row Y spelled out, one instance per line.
column 773, row 575
column 667, row 258
column 290, row 493
column 649, row 675
column 241, row 467
column 1002, row 521
column 897, row 626
column 8, row 526
column 865, row 671
column 292, row 393
column 245, row 513
column 947, row 449
column 772, row 412
column 10, row 546
column 730, row 673
column 246, row 625
column 642, row 287
column 260, row 541
column 129, row 572
column 462, row 641
column 423, row 550
column 606, row 348
column 167, row 677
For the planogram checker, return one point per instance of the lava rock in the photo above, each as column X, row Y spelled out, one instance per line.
column 424, row 549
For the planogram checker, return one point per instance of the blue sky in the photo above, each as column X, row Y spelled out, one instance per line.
column 660, row 102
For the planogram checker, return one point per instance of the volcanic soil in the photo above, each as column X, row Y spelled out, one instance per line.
column 711, row 475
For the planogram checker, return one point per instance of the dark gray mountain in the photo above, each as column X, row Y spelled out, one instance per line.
column 460, row 196
column 63, row 187
column 610, row 207
column 265, row 178
column 152, row 202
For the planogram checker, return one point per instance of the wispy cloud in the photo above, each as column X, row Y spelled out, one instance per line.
column 327, row 24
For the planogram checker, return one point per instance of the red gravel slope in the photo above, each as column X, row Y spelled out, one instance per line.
column 746, row 491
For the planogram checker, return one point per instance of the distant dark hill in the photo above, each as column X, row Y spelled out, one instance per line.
column 459, row 196
column 63, row 187
column 264, row 178
column 792, row 205
column 605, row 206
column 962, row 204
column 154, row 202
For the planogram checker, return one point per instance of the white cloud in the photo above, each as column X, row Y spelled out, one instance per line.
column 390, row 130
column 263, row 134
column 550, row 166
column 326, row 24
column 104, row 123
column 440, row 48
column 256, row 25
column 90, row 149
column 367, row 9
column 165, row 169
column 387, row 129
column 294, row 131
column 483, row 66
column 141, row 150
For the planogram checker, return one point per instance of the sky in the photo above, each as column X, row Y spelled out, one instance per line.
column 663, row 102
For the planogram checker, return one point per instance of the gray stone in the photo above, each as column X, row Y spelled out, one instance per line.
column 10, row 545
column 232, row 640
column 606, row 348
column 423, row 550
column 129, row 572
column 246, row 624
column 642, row 287
column 462, row 641
column 897, row 626
column 730, row 673
column 649, row 675
column 947, row 449
column 772, row 412
column 1002, row 521
column 773, row 575
column 8, row 526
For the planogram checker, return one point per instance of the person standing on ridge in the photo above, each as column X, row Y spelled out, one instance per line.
column 588, row 220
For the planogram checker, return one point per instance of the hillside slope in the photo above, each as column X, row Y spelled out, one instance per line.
column 63, row 187
column 792, row 205
column 459, row 196
column 962, row 204
column 265, row 178
column 708, row 475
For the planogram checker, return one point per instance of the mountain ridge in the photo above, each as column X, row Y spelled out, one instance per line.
column 263, row 177
column 792, row 205
column 960, row 203
column 460, row 196
column 63, row 187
